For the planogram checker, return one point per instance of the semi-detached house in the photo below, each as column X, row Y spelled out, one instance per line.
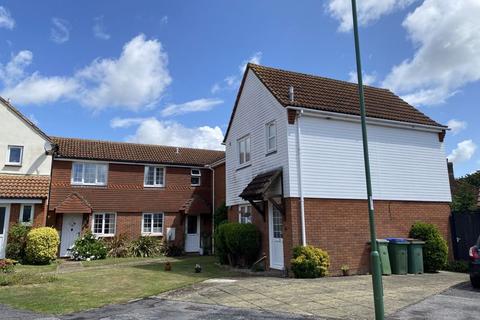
column 294, row 165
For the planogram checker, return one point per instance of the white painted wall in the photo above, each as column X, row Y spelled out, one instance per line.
column 406, row 164
column 256, row 107
column 14, row 131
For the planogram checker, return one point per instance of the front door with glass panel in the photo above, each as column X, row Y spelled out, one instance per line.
column 71, row 228
column 192, row 234
column 4, row 218
column 275, row 223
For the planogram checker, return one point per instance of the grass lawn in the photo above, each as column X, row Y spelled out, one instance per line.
column 112, row 261
column 95, row 287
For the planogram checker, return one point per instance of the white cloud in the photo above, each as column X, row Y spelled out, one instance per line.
column 368, row 79
column 447, row 57
column 99, row 29
column 464, row 151
column 137, row 79
column 190, row 106
column 60, row 30
column 164, row 20
column 456, row 125
column 368, row 11
column 233, row 81
column 6, row 19
column 126, row 122
column 171, row 133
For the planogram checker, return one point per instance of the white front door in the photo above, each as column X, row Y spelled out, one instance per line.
column 71, row 228
column 192, row 235
column 4, row 219
column 275, row 225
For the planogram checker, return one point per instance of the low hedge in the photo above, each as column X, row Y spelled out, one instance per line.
column 17, row 242
column 237, row 243
column 42, row 245
column 435, row 250
column 309, row 262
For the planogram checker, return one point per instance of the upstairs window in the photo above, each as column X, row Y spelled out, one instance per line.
column 244, row 149
column 14, row 155
column 86, row 173
column 26, row 214
column 196, row 175
column 154, row 176
column 245, row 213
column 271, row 136
column 104, row 224
column 152, row 224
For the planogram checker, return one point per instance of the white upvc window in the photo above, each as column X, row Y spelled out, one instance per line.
column 152, row 224
column 271, row 136
column 196, row 177
column 244, row 149
column 103, row 224
column 89, row 173
column 26, row 214
column 14, row 155
column 154, row 176
column 245, row 213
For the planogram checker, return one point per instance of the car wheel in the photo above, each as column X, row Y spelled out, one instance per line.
column 475, row 281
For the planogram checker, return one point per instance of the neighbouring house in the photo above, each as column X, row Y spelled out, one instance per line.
column 114, row 188
column 25, row 164
column 294, row 166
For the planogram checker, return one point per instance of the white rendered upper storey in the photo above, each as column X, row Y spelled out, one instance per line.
column 22, row 145
column 320, row 150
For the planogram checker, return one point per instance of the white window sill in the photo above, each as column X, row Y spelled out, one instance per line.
column 244, row 165
column 88, row 184
column 195, row 185
column 145, row 234
column 271, row 152
column 101, row 235
column 154, row 186
column 13, row 164
column 26, row 224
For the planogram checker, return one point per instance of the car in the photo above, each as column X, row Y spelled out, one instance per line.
column 474, row 254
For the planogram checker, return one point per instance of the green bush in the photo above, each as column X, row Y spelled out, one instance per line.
column 237, row 243
column 220, row 215
column 42, row 245
column 309, row 262
column 118, row 246
column 171, row 249
column 88, row 248
column 435, row 250
column 17, row 242
column 7, row 265
column 457, row 266
column 146, row 247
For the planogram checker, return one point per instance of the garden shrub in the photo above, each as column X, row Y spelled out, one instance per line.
column 309, row 262
column 17, row 242
column 7, row 265
column 435, row 250
column 457, row 266
column 170, row 249
column 220, row 215
column 42, row 245
column 88, row 248
column 118, row 246
column 145, row 246
column 238, row 243
column 221, row 250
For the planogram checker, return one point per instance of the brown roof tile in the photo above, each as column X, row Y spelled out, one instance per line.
column 30, row 187
column 74, row 203
column 73, row 148
column 314, row 92
column 259, row 185
column 194, row 206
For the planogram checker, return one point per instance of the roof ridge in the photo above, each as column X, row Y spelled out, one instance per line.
column 134, row 144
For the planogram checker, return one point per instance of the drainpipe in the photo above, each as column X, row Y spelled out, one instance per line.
column 300, row 182
column 213, row 208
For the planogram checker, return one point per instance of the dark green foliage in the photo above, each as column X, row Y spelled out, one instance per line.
column 17, row 242
column 220, row 215
column 435, row 250
column 464, row 198
column 457, row 266
column 472, row 179
column 89, row 248
column 310, row 262
column 145, row 247
column 172, row 250
column 237, row 244
column 118, row 246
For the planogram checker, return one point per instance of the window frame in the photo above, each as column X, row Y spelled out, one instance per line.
column 240, row 212
column 151, row 233
column 32, row 214
column 154, row 185
column 83, row 183
column 103, row 234
column 196, row 175
column 244, row 140
column 8, row 162
column 268, row 137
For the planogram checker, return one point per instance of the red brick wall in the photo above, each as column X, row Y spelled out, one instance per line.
column 220, row 185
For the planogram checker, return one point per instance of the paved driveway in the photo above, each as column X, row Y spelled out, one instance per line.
column 333, row 297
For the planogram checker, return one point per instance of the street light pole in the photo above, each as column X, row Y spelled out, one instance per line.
column 374, row 256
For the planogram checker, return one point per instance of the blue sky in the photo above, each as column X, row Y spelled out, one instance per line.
column 167, row 71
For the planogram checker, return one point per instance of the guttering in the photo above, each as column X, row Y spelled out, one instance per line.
column 133, row 163
column 355, row 118
column 300, row 182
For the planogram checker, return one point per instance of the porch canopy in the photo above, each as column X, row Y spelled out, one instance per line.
column 195, row 206
column 261, row 189
column 24, row 187
column 74, row 203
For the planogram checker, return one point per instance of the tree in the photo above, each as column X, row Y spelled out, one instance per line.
column 465, row 197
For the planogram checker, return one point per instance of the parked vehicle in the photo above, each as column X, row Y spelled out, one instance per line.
column 474, row 254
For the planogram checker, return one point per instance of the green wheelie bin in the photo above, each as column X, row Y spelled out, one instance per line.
column 415, row 256
column 398, row 252
column 382, row 246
